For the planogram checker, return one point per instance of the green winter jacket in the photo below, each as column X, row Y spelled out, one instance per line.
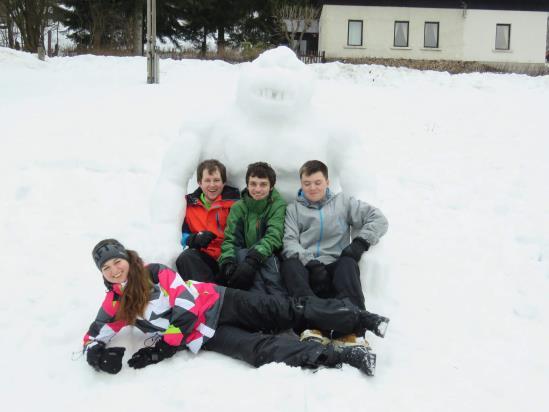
column 257, row 224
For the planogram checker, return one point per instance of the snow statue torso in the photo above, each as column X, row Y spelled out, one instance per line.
column 272, row 120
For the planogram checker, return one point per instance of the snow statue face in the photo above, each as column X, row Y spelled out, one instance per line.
column 276, row 84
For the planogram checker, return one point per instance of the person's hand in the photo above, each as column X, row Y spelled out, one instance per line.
column 355, row 250
column 151, row 355
column 226, row 271
column 318, row 277
column 244, row 275
column 201, row 239
column 105, row 359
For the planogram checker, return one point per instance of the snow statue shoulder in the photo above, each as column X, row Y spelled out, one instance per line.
column 272, row 119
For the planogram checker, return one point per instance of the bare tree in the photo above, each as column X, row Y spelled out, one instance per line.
column 6, row 23
column 138, row 28
column 294, row 21
column 30, row 17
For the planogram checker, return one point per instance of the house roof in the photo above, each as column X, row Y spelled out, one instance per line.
column 524, row 5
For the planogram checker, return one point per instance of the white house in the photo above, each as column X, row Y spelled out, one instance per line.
column 504, row 31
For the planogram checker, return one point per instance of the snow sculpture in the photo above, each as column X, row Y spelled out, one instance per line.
column 271, row 120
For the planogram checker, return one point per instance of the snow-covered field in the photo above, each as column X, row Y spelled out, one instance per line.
column 461, row 165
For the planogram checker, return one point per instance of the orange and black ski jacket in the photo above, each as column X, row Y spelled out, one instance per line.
column 214, row 219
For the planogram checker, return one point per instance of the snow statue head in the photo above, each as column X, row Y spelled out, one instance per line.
column 276, row 84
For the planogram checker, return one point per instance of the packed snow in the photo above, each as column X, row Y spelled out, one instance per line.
column 458, row 163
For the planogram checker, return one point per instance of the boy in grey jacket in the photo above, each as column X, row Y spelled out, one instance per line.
column 320, row 258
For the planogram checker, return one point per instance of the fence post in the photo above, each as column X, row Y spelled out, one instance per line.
column 49, row 43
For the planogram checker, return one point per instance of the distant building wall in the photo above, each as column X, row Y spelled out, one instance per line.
column 527, row 39
column 462, row 34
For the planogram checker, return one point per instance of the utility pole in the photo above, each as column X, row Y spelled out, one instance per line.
column 152, row 58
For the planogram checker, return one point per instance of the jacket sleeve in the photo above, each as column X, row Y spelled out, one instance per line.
column 233, row 234
column 368, row 220
column 182, row 301
column 272, row 240
column 185, row 233
column 292, row 247
column 104, row 327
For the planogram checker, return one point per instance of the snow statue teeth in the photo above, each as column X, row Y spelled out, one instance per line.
column 277, row 84
column 272, row 120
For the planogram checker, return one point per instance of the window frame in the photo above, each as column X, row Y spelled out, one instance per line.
column 407, row 33
column 508, row 25
column 425, row 37
column 349, row 21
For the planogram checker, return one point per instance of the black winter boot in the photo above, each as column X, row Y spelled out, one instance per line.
column 375, row 323
column 357, row 356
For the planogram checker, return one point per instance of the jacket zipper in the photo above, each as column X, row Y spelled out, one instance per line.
column 321, row 232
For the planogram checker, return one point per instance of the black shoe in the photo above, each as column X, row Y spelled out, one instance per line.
column 358, row 357
column 375, row 323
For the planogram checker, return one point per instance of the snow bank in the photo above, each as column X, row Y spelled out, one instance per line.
column 460, row 164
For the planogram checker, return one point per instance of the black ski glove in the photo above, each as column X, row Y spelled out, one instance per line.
column 244, row 275
column 226, row 271
column 105, row 359
column 318, row 277
column 200, row 240
column 152, row 354
column 355, row 250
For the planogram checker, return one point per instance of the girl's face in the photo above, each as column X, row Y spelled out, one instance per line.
column 116, row 270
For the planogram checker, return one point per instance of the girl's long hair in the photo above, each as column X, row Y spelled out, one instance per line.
column 136, row 292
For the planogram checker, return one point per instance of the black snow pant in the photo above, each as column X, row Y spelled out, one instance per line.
column 344, row 275
column 194, row 264
column 248, row 320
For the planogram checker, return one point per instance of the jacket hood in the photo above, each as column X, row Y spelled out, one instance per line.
column 228, row 193
column 314, row 205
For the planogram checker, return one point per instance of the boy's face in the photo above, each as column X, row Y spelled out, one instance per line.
column 258, row 187
column 211, row 184
column 314, row 186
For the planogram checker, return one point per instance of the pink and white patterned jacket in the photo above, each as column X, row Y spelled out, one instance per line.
column 184, row 313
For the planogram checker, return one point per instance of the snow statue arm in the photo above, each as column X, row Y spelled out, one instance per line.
column 168, row 199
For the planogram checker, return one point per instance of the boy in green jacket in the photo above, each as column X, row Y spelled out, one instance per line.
column 253, row 235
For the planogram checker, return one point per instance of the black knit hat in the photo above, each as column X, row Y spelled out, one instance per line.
column 108, row 249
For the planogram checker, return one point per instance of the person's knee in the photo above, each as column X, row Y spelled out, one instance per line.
column 292, row 266
column 347, row 262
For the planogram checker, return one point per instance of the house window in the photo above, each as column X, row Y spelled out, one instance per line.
column 431, row 34
column 354, row 33
column 401, row 33
column 503, row 36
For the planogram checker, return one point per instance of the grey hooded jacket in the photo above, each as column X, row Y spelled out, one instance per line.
column 322, row 230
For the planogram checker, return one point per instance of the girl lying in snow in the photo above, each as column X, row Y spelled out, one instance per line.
column 193, row 315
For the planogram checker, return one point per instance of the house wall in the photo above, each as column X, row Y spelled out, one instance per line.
column 463, row 35
column 528, row 36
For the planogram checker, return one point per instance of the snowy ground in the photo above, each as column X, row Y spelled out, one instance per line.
column 461, row 164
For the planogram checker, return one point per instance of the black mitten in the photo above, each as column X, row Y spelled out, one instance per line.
column 105, row 359
column 243, row 276
column 150, row 355
column 355, row 250
column 200, row 240
column 318, row 277
column 226, row 271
